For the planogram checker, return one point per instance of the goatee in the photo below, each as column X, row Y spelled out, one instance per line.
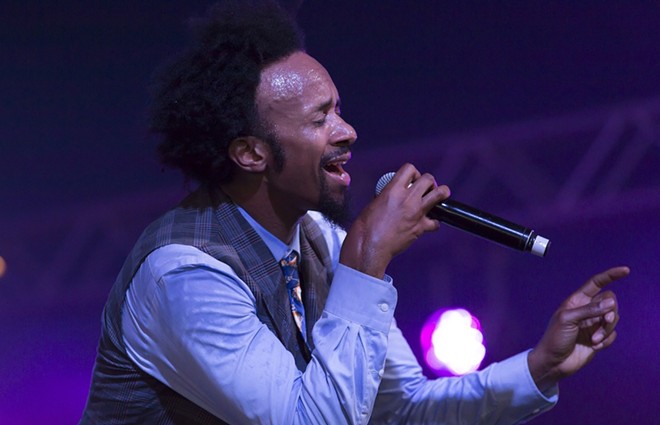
column 336, row 211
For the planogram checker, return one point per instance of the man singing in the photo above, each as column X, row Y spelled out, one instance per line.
column 249, row 304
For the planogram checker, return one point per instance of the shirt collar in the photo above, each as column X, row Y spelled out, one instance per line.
column 278, row 248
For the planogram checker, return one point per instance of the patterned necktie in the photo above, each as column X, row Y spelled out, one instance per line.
column 290, row 268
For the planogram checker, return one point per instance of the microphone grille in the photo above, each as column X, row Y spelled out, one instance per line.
column 382, row 182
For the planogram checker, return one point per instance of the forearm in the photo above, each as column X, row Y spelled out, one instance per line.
column 341, row 382
column 503, row 393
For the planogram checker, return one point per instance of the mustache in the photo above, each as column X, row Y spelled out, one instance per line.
column 331, row 156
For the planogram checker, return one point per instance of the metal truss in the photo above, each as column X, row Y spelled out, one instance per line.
column 598, row 162
column 594, row 163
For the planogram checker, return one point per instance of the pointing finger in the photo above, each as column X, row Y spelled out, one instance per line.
column 601, row 280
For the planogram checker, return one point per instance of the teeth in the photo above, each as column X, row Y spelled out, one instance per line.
column 336, row 167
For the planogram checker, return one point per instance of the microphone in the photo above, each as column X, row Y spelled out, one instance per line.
column 482, row 224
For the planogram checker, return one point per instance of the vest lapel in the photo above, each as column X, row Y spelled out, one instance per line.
column 315, row 273
column 264, row 278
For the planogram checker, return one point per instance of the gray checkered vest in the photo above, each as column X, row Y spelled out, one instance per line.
column 120, row 392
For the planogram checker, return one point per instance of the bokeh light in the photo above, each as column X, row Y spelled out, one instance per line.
column 3, row 266
column 452, row 342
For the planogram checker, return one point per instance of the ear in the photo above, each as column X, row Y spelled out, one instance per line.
column 249, row 153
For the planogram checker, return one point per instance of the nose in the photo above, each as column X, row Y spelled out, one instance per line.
column 343, row 134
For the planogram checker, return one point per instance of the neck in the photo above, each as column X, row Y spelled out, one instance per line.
column 253, row 198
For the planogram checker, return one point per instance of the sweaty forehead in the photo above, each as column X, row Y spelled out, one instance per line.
column 297, row 76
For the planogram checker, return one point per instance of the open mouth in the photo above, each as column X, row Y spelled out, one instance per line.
column 335, row 168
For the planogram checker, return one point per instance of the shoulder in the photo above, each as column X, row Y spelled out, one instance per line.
column 178, row 257
column 182, row 269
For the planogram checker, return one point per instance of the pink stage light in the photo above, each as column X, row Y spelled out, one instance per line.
column 452, row 342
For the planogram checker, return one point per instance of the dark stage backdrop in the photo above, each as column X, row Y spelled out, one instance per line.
column 544, row 113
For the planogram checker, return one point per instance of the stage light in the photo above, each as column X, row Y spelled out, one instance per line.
column 452, row 342
column 3, row 267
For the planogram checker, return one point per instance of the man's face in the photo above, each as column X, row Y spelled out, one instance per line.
column 299, row 104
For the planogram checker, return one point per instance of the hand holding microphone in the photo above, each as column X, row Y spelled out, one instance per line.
column 482, row 224
column 390, row 223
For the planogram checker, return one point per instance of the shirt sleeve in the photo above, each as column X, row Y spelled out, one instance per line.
column 502, row 393
column 191, row 323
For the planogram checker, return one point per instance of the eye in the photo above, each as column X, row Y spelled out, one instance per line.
column 321, row 121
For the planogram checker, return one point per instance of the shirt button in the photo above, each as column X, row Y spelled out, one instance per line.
column 384, row 307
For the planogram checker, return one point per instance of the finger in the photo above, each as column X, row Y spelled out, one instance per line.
column 430, row 225
column 614, row 314
column 606, row 343
column 601, row 280
column 603, row 296
column 405, row 176
column 426, row 189
column 611, row 317
column 423, row 185
column 587, row 312
column 435, row 196
column 605, row 331
column 594, row 321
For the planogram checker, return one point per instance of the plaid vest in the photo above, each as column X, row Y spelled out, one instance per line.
column 120, row 392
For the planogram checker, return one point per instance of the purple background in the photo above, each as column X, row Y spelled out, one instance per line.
column 422, row 81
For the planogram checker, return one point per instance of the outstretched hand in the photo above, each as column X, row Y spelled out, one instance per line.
column 584, row 324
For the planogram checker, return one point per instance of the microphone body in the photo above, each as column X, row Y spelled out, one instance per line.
column 482, row 224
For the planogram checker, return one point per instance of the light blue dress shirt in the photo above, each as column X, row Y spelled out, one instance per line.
column 191, row 323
